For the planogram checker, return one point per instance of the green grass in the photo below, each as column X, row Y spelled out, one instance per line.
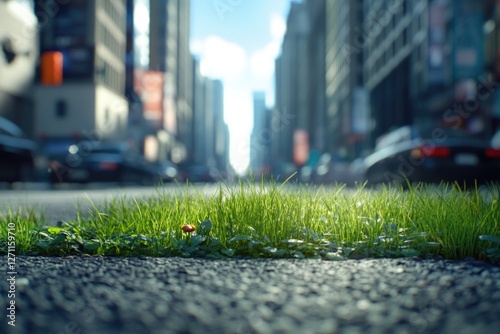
column 277, row 221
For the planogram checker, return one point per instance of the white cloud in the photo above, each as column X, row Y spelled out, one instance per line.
column 242, row 74
column 277, row 26
column 219, row 58
column 262, row 61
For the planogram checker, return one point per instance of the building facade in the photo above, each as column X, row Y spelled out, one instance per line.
column 221, row 131
column 208, row 130
column 260, row 138
column 290, row 120
column 431, row 63
column 317, row 80
column 169, row 53
column 343, row 75
column 394, row 56
column 89, row 101
column 374, row 65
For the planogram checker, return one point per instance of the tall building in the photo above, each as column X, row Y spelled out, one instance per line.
column 260, row 138
column 316, row 79
column 290, row 119
column 221, row 131
column 136, row 57
column 425, row 64
column 169, row 53
column 393, row 39
column 374, row 65
column 208, row 130
column 299, row 122
column 88, row 100
column 196, row 155
column 343, row 76
column 184, row 99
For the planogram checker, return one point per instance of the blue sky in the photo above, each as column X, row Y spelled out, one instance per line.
column 237, row 41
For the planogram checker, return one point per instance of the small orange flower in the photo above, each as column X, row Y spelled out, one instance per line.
column 188, row 228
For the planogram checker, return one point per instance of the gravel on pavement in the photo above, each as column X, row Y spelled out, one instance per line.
column 83, row 294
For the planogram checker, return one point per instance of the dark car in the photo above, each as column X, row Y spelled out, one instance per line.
column 52, row 152
column 102, row 162
column 410, row 154
column 166, row 171
column 198, row 173
column 331, row 169
column 17, row 153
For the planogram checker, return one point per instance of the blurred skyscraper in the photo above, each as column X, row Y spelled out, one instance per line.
column 162, row 74
column 169, row 53
column 90, row 100
column 260, row 139
column 221, row 131
column 290, row 121
column 350, row 71
column 343, row 77
column 210, row 134
column 183, row 109
column 390, row 38
column 110, row 69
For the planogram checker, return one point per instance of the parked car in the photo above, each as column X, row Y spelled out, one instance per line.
column 17, row 153
column 332, row 169
column 411, row 154
column 102, row 162
column 357, row 171
column 53, row 151
column 198, row 173
column 495, row 140
column 285, row 171
column 166, row 171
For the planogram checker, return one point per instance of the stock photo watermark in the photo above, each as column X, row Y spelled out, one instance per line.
column 11, row 274
column 454, row 116
column 76, row 153
column 428, row 314
column 222, row 7
column 375, row 22
column 280, row 120
column 86, row 315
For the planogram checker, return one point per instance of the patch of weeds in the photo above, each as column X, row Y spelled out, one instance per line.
column 261, row 220
column 396, row 242
column 65, row 239
column 493, row 253
column 200, row 243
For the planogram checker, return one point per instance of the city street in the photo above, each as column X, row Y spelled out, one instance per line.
column 63, row 203
column 99, row 100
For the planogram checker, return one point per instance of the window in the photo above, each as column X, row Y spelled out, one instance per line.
column 61, row 109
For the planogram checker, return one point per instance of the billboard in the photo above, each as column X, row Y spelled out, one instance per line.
column 300, row 147
column 149, row 86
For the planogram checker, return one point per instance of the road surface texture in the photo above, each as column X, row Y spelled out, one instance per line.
column 64, row 204
column 175, row 295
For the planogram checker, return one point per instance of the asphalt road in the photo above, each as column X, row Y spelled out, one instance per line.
column 174, row 295
column 63, row 203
